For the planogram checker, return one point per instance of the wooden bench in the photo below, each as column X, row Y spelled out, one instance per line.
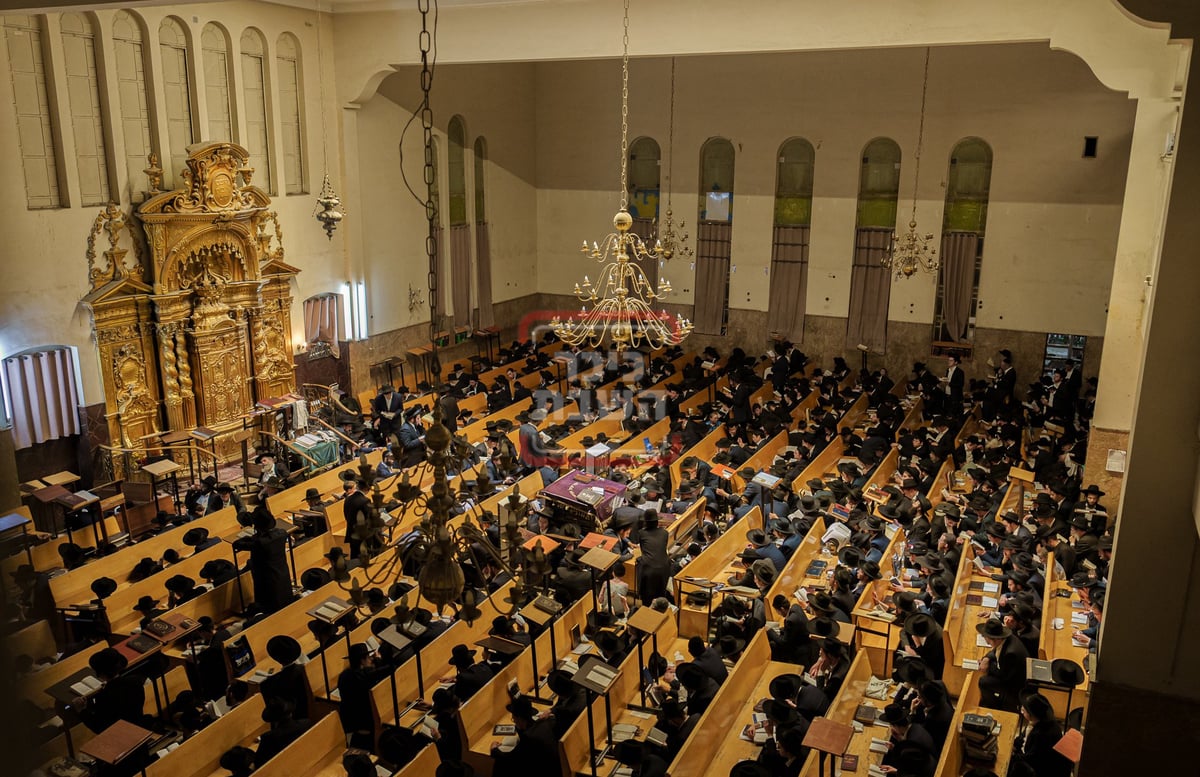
column 714, row 564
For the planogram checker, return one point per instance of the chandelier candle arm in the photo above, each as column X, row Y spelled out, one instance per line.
column 911, row 251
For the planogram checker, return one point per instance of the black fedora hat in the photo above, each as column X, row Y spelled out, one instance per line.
column 784, row 687
column 850, row 556
column 870, row 569
column 921, row 625
column 993, row 629
column 821, row 602
column 730, row 645
column 145, row 603
column 104, row 587
column 312, row 579
column 284, row 649
column 1066, row 672
column 1092, row 489
column 912, row 671
column 782, row 714
column 462, row 656
column 824, row 626
column 196, row 536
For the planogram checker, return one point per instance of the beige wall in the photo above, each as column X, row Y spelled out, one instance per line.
column 1052, row 213
column 42, row 264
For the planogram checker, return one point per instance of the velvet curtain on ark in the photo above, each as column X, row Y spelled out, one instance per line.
column 45, row 395
column 323, row 321
column 644, row 228
column 483, row 272
column 713, row 245
column 460, row 273
column 870, row 289
column 959, row 250
column 789, row 282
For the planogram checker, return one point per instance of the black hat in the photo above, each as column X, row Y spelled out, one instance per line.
column 749, row 769
column 730, row 645
column 921, row 625
column 1082, row 580
column 462, row 656
column 809, row 504
column 784, row 526
column 1082, row 523
column 690, row 676
column 104, row 587
column 784, row 687
column 850, row 556
column 894, row 714
column 1066, row 672
column 217, row 567
column 821, row 602
column 780, row 713
column 145, row 603
column 757, row 538
column 910, row 483
column 520, row 707
column 177, row 583
column 194, row 537
column 993, row 629
column 1092, row 489
column 312, row 579
column 870, row 569
column 824, row 626
column 622, row 520
column 312, row 495
column 283, row 649
column 559, row 682
column 912, row 670
column 873, row 523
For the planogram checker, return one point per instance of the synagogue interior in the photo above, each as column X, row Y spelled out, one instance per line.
column 373, row 406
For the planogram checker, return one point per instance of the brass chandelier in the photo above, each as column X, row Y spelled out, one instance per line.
column 621, row 299
column 912, row 251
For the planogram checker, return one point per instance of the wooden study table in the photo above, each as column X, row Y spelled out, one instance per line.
column 711, row 570
column 963, row 643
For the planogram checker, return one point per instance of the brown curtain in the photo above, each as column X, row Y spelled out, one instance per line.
column 958, row 281
column 443, row 293
column 789, row 282
column 713, row 246
column 460, row 273
column 45, row 395
column 644, row 228
column 483, row 272
column 870, row 289
column 323, row 321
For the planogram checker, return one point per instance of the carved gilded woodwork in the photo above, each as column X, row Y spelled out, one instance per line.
column 194, row 326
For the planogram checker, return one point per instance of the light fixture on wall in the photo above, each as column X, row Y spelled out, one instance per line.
column 329, row 210
column 912, row 251
column 622, row 295
column 671, row 237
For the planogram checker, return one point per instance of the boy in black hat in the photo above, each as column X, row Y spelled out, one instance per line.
column 1002, row 670
column 470, row 676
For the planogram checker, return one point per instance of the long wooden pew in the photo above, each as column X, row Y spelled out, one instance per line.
column 952, row 761
column 318, row 751
column 842, row 711
column 713, row 565
column 199, row 755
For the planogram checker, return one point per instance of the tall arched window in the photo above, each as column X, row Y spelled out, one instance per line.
column 87, row 119
column 870, row 281
column 483, row 250
column 714, row 237
column 215, row 44
column 177, row 91
column 291, row 116
column 254, row 92
column 131, row 83
column 644, row 188
column 460, row 230
column 789, row 249
column 967, row 186
column 23, row 36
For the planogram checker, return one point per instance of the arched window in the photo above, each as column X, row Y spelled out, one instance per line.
column 35, row 129
column 460, row 230
column 131, row 83
column 644, row 188
column 215, row 45
column 870, row 281
column 967, row 186
column 439, row 233
column 254, row 92
column 483, row 250
column 789, row 249
column 87, row 119
column 177, row 91
column 44, row 393
column 714, row 237
column 291, row 113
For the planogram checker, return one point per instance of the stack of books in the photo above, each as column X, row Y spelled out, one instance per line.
column 980, row 738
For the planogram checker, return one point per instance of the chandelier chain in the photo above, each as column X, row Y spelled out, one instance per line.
column 920, row 132
column 671, row 135
column 425, row 43
column 625, row 111
column 321, row 81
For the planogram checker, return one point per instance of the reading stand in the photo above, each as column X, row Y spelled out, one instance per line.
column 828, row 737
column 597, row 678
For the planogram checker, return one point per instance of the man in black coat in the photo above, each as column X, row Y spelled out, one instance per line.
column 357, row 509
column 570, row 700
column 654, row 567
column 121, row 697
column 387, row 407
column 535, row 753
column 289, row 685
column 1002, row 670
column 707, row 659
column 700, row 686
column 268, row 561
column 354, row 686
column 449, row 406
column 471, row 676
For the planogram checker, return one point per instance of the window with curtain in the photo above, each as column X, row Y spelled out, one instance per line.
column 291, row 114
column 215, row 45
column 460, row 229
column 35, row 130
column 131, row 84
column 443, row 300
column 714, row 237
column 789, row 243
column 323, row 321
column 254, row 93
column 176, row 90
column 87, row 119
column 483, row 248
column 870, row 281
column 44, row 394
column 963, row 223
column 644, row 188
